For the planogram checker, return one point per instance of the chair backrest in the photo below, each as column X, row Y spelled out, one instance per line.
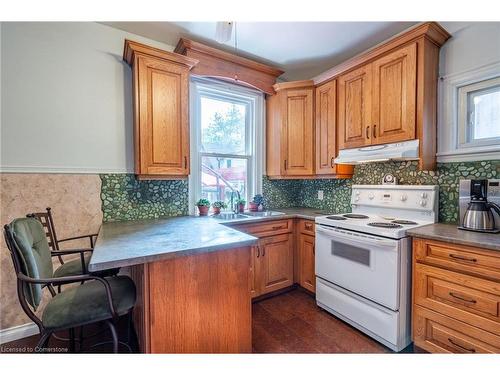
column 30, row 253
column 47, row 222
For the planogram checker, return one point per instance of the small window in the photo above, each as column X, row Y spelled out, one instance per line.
column 479, row 114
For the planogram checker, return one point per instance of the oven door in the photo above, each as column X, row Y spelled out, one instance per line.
column 361, row 263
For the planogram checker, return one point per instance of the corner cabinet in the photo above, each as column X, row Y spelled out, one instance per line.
column 161, row 111
column 297, row 146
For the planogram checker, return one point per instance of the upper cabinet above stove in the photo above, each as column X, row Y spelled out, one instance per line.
column 389, row 93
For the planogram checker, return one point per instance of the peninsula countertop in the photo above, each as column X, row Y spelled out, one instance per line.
column 450, row 233
column 127, row 243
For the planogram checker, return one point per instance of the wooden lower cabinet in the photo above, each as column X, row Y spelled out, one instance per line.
column 306, row 253
column 456, row 306
column 194, row 304
column 275, row 263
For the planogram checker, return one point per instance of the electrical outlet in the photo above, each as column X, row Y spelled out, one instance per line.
column 320, row 195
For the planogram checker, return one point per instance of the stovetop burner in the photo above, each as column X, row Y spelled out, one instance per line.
column 355, row 216
column 405, row 222
column 385, row 225
column 336, row 218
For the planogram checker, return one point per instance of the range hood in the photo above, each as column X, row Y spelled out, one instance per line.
column 392, row 151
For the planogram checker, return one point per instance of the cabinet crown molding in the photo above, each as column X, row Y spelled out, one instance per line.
column 293, row 85
column 131, row 49
column 432, row 31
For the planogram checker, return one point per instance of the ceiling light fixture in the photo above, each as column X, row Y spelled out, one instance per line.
column 223, row 31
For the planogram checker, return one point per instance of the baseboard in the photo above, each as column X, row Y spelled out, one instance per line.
column 18, row 332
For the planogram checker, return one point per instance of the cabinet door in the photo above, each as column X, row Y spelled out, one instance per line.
column 394, row 96
column 355, row 108
column 276, row 263
column 162, row 130
column 307, row 277
column 326, row 128
column 254, row 272
column 298, row 132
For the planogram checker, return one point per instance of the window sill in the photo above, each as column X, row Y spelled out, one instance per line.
column 463, row 155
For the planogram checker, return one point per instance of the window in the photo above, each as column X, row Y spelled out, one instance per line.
column 479, row 114
column 226, row 144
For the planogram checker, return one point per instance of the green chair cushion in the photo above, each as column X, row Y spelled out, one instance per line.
column 87, row 303
column 72, row 267
column 34, row 252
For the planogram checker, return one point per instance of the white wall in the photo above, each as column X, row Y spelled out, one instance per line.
column 66, row 98
column 472, row 54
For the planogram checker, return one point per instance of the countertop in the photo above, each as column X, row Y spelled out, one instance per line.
column 127, row 243
column 450, row 233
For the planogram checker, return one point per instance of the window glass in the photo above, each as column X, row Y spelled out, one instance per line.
column 220, row 176
column 484, row 114
column 222, row 127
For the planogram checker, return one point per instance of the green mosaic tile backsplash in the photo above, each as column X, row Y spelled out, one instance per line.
column 125, row 198
column 337, row 193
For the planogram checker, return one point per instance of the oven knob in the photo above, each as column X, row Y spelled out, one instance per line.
column 357, row 192
column 423, row 202
column 371, row 196
column 356, row 199
column 403, row 197
column 423, row 195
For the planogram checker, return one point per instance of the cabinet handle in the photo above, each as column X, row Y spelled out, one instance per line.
column 285, row 164
column 185, row 162
column 332, row 162
column 314, row 249
column 263, row 251
column 258, row 251
column 278, row 227
column 462, row 298
column 367, row 132
column 458, row 257
column 308, row 226
column 470, row 350
column 374, row 131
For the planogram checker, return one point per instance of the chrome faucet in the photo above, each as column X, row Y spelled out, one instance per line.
column 234, row 207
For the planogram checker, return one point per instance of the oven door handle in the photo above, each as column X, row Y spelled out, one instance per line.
column 365, row 240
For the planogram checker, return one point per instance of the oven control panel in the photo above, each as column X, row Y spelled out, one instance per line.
column 422, row 197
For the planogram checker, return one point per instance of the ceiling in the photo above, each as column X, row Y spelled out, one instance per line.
column 301, row 49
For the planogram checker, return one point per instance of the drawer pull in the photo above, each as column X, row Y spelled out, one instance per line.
column 458, row 257
column 462, row 298
column 470, row 350
column 278, row 227
column 309, row 226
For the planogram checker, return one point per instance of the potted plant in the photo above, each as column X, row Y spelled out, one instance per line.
column 256, row 202
column 241, row 204
column 203, row 206
column 217, row 205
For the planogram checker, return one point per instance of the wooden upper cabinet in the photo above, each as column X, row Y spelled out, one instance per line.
column 355, row 106
column 394, row 96
column 161, row 111
column 298, row 132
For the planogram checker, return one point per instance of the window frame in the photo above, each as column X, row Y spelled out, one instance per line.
column 448, row 116
column 464, row 128
column 254, row 140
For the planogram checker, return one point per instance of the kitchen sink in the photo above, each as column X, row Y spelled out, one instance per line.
column 229, row 216
column 264, row 213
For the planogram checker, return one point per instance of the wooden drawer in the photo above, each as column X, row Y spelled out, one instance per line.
column 267, row 228
column 465, row 259
column 437, row 333
column 306, row 227
column 463, row 297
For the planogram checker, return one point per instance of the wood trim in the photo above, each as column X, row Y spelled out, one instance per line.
column 214, row 62
column 293, row 85
column 131, row 49
column 432, row 31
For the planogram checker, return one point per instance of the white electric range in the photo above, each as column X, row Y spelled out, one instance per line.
column 363, row 258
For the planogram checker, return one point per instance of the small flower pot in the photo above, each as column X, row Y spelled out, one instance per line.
column 241, row 207
column 253, row 206
column 203, row 210
column 216, row 210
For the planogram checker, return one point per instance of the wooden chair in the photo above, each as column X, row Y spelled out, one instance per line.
column 99, row 299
